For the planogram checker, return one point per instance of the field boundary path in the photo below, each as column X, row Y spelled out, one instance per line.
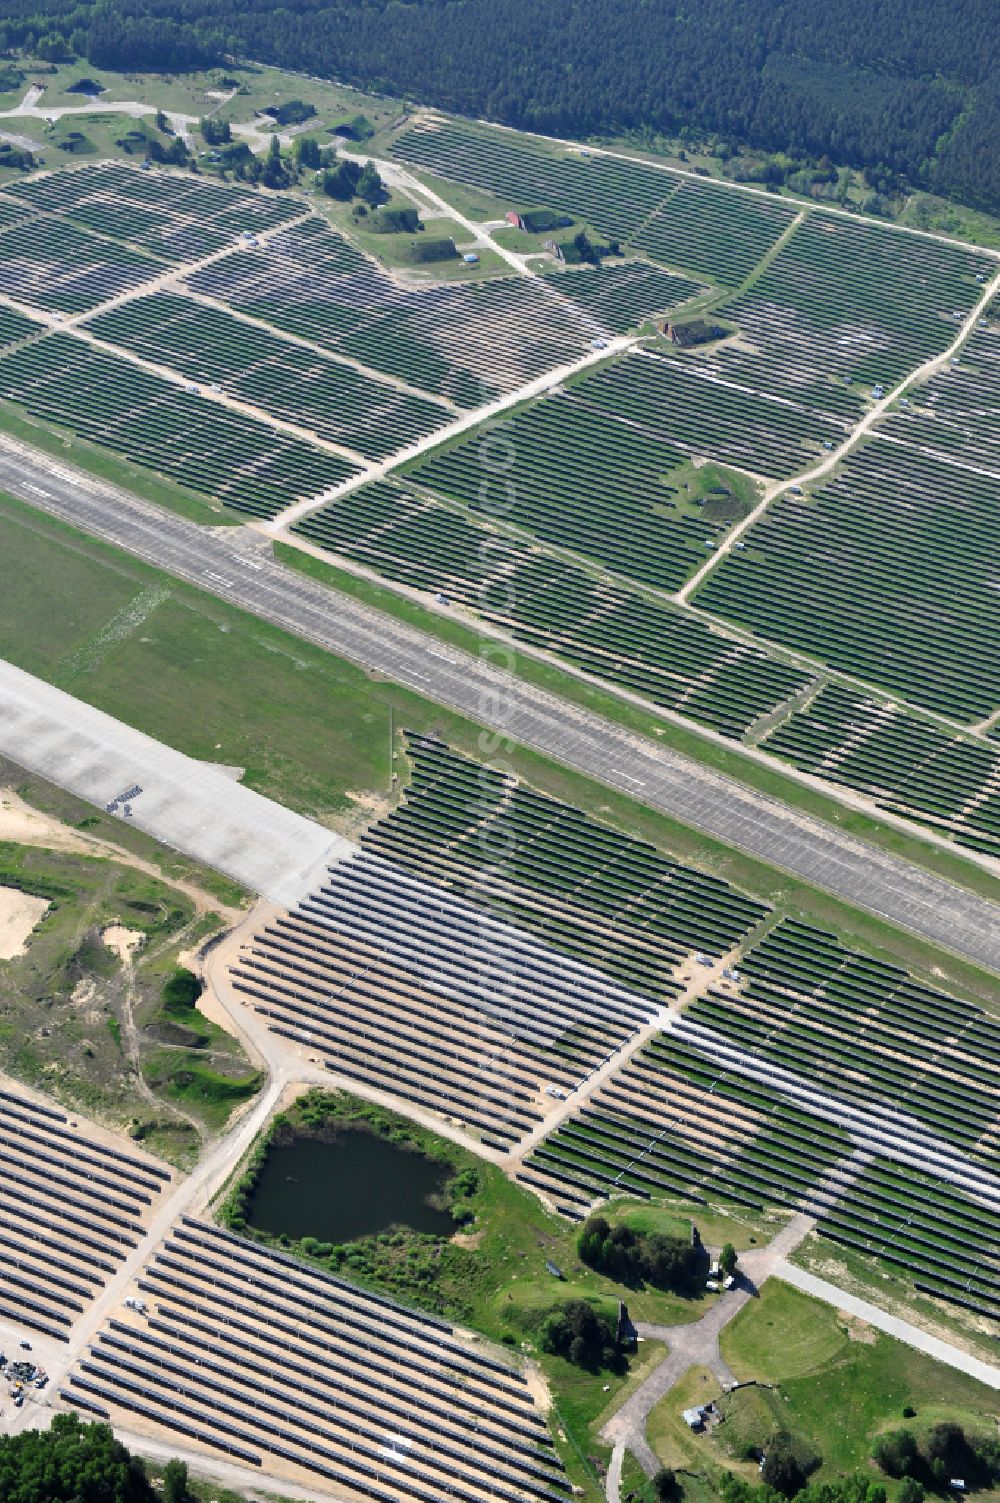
column 907, row 896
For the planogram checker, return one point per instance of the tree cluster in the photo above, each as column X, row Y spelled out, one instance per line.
column 639, row 1257
column 945, row 1452
column 73, row 1462
column 911, row 84
column 215, row 132
column 348, row 179
column 577, row 1332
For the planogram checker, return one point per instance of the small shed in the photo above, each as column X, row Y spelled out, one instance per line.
column 514, row 218
column 553, row 1268
column 694, row 1418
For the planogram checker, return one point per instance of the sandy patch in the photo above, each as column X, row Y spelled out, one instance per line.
column 468, row 1239
column 84, row 992
column 26, row 826
column 124, row 942
column 208, row 1003
column 19, row 913
column 858, row 1329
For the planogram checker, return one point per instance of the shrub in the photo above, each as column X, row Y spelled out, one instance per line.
column 895, row 1452
column 181, row 991
column 665, row 1484
column 911, row 1491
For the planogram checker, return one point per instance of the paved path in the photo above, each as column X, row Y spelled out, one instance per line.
column 697, row 1344
column 187, row 805
column 905, row 895
column 943, row 1351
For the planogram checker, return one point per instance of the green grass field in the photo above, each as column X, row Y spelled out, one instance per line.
column 892, row 1289
column 839, row 1382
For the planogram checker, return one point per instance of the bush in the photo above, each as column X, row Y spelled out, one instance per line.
column 181, row 992
column 575, row 1331
column 911, row 1491
column 175, row 1482
column 785, row 1466
column 665, row 1484
column 433, row 250
column 396, row 222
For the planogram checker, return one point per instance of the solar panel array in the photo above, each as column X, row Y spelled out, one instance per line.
column 71, row 1210
column 251, row 1354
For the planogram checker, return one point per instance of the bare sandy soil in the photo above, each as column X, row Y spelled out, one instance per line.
column 122, row 942
column 19, row 913
column 26, row 826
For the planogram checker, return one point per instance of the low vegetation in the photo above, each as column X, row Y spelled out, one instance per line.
column 99, row 1031
column 820, row 1396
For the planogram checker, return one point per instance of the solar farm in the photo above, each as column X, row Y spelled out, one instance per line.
column 781, row 535
column 753, row 1085
column 242, row 348
column 72, row 1208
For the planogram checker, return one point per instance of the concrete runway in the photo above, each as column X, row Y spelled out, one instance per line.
column 188, row 805
column 232, row 564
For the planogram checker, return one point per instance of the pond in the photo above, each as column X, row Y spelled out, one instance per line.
column 353, row 1185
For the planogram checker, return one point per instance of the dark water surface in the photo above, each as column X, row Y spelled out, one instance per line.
column 355, row 1185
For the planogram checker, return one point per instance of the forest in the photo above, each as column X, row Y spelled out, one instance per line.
column 910, row 86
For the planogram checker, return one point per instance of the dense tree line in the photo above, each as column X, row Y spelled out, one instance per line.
column 911, row 84
column 855, row 1489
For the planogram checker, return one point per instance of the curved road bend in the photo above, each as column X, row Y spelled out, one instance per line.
column 230, row 563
